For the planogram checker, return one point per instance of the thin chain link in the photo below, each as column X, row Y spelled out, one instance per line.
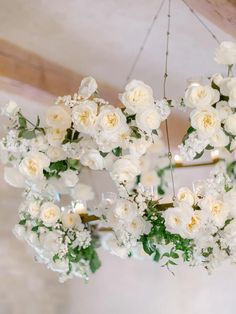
column 164, row 95
column 149, row 30
column 201, row 22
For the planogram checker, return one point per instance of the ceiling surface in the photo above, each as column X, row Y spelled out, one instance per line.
column 101, row 38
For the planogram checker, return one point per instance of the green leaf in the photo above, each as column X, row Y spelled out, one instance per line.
column 22, row 222
column 94, row 262
column 160, row 190
column 55, row 258
column 157, row 256
column 174, row 255
column 117, row 151
column 199, row 155
column 146, row 246
column 73, row 163
column 130, row 118
column 172, row 262
column 190, row 130
column 35, row 228
column 22, row 122
column 213, row 85
column 37, row 122
column 103, row 154
column 27, row 134
column 135, row 132
column 58, row 166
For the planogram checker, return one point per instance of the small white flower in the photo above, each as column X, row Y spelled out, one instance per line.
column 226, row 53
column 10, row 109
column 200, row 96
column 58, row 117
column 148, row 119
column 138, row 226
column 185, row 196
column 137, row 96
column 50, row 213
column 206, row 121
column 34, row 209
column 84, row 116
column 230, row 124
column 219, row 139
column 33, row 164
column 92, row 159
column 88, row 87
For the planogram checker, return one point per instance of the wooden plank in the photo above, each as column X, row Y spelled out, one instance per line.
column 28, row 68
column 220, row 12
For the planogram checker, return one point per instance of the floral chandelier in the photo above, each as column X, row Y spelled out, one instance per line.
column 85, row 131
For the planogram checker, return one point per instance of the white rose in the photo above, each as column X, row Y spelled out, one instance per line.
column 223, row 109
column 137, row 96
column 50, row 213
column 55, row 136
column 198, row 219
column 217, row 78
column 56, row 153
column 137, row 226
column 125, row 210
column 150, row 179
column 226, row 53
column 177, row 219
column 206, row 121
column 88, row 87
column 230, row 124
column 148, row 120
column 200, row 96
column 82, row 192
column 226, row 85
column 139, row 146
column 58, row 117
column 69, row 220
column 34, row 209
column 217, row 210
column 84, row 117
column 92, row 159
column 232, row 97
column 70, row 178
column 13, row 177
column 110, row 119
column 33, row 164
column 185, row 196
column 125, row 169
column 219, row 139
column 10, row 109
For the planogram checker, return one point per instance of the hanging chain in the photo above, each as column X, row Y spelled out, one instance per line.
column 164, row 95
column 149, row 30
column 201, row 22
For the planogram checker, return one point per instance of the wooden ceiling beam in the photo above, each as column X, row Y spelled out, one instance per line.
column 27, row 68
column 220, row 12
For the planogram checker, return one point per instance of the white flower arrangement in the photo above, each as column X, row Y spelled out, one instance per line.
column 84, row 130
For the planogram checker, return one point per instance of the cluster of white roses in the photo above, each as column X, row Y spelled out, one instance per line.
column 82, row 130
column 206, row 215
column 213, row 119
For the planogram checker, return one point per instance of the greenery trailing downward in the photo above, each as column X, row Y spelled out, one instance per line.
column 176, row 245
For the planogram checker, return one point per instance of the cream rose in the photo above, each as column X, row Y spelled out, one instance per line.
column 226, row 53
column 88, row 87
column 125, row 210
column 185, row 196
column 58, row 117
column 33, row 164
column 55, row 136
column 219, row 139
column 84, row 116
column 69, row 220
column 200, row 96
column 230, row 124
column 92, row 159
column 110, row 119
column 10, row 109
column 206, row 121
column 137, row 96
column 125, row 169
column 50, row 213
column 148, row 120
